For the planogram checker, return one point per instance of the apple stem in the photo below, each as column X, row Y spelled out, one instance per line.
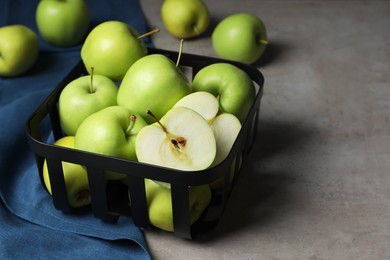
column 157, row 121
column 133, row 118
column 148, row 33
column 265, row 42
column 177, row 142
column 91, row 90
column 180, row 51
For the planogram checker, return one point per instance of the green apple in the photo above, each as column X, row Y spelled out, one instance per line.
column 185, row 18
column 159, row 199
column 82, row 97
column 232, row 86
column 111, row 131
column 19, row 50
column 241, row 37
column 75, row 176
column 182, row 140
column 155, row 83
column 111, row 48
column 62, row 23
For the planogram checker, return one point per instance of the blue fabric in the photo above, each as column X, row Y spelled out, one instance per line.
column 30, row 226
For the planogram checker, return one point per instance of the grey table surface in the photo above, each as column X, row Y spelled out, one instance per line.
column 317, row 185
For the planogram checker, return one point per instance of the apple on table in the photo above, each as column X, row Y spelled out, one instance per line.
column 75, row 176
column 111, row 48
column 185, row 18
column 62, row 23
column 82, row 97
column 240, row 37
column 19, row 50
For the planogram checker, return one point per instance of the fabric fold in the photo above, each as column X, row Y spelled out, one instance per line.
column 29, row 223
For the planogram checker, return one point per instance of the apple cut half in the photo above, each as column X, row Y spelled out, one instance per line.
column 226, row 128
column 182, row 140
column 203, row 102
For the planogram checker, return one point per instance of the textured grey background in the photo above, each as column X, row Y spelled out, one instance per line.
column 317, row 186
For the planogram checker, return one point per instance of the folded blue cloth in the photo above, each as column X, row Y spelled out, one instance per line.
column 30, row 226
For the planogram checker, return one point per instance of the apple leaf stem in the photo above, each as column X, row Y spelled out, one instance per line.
column 133, row 118
column 91, row 90
column 148, row 33
column 180, row 51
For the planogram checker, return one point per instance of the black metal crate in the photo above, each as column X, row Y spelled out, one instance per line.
column 110, row 201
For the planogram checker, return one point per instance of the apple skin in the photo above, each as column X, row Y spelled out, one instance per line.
column 76, row 102
column 155, row 83
column 111, row 48
column 75, row 176
column 19, row 50
column 62, row 23
column 240, row 37
column 185, row 18
column 159, row 201
column 107, row 132
column 233, row 87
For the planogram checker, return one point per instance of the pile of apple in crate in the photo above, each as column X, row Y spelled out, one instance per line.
column 139, row 106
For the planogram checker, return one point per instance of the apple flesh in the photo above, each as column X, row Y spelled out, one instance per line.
column 241, row 37
column 75, row 176
column 19, row 50
column 62, row 23
column 82, row 97
column 182, row 140
column 185, row 18
column 232, row 86
column 111, row 48
column 159, row 199
column 155, row 83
